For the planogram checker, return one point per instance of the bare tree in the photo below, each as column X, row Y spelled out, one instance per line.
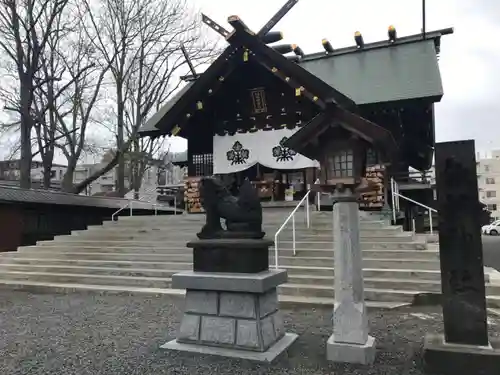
column 87, row 74
column 145, row 37
column 25, row 28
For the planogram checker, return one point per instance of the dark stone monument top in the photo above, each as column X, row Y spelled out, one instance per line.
column 460, row 246
column 243, row 214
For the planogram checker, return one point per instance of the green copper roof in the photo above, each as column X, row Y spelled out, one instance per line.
column 399, row 72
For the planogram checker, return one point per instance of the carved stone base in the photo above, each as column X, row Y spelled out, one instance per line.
column 243, row 318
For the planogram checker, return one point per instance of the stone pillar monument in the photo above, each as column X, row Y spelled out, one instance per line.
column 465, row 347
column 231, row 305
column 350, row 341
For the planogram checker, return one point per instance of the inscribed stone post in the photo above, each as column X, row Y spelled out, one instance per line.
column 461, row 251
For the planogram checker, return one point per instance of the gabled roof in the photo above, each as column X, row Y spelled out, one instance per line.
column 291, row 73
column 374, row 134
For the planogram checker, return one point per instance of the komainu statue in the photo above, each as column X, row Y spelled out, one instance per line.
column 243, row 214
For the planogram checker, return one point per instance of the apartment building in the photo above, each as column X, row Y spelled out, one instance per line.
column 488, row 178
column 10, row 173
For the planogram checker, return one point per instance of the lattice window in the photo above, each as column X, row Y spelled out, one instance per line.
column 340, row 164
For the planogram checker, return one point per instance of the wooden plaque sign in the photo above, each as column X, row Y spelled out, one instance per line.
column 259, row 104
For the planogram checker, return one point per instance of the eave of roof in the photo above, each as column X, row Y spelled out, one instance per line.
column 380, row 137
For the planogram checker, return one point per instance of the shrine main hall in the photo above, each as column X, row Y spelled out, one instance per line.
column 237, row 115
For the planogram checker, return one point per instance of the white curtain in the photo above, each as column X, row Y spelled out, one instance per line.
column 242, row 151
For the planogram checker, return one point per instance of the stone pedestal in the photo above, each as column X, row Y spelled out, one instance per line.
column 232, row 314
column 230, row 255
column 350, row 341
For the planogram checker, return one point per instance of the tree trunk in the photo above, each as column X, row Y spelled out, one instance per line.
column 67, row 182
column 26, row 126
column 120, row 171
column 47, row 172
column 78, row 188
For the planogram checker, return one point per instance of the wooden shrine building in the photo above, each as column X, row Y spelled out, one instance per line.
column 237, row 115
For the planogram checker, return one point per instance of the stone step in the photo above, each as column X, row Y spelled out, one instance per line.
column 393, row 254
column 386, row 295
column 187, row 258
column 387, row 254
column 285, row 300
column 371, row 294
column 180, row 244
column 166, row 266
column 378, row 293
column 160, row 278
column 84, row 278
column 433, row 286
column 412, row 264
column 138, row 256
column 307, row 231
column 165, row 236
column 365, row 245
column 328, row 271
column 124, row 263
column 266, row 224
column 98, row 269
column 493, row 301
column 166, row 269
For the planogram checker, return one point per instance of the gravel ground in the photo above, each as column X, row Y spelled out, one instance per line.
column 90, row 333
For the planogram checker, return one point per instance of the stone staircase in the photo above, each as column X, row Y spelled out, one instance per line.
column 142, row 253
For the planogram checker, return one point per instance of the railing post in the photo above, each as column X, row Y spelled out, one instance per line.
column 430, row 222
column 175, row 205
column 130, row 207
column 307, row 211
column 293, row 233
column 276, row 252
column 393, row 197
column 156, row 209
column 318, row 198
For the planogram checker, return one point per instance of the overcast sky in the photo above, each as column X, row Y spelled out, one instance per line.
column 468, row 61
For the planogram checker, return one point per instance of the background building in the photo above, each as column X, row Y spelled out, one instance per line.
column 488, row 178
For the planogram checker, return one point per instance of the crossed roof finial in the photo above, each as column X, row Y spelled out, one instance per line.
column 236, row 21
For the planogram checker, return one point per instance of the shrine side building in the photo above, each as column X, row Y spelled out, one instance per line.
column 238, row 114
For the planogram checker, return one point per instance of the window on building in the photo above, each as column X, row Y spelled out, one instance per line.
column 491, row 207
column 486, row 168
column 491, row 194
column 340, row 164
column 490, row 181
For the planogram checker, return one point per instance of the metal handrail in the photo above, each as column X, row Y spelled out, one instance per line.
column 291, row 216
column 430, row 209
column 395, row 204
column 130, row 204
